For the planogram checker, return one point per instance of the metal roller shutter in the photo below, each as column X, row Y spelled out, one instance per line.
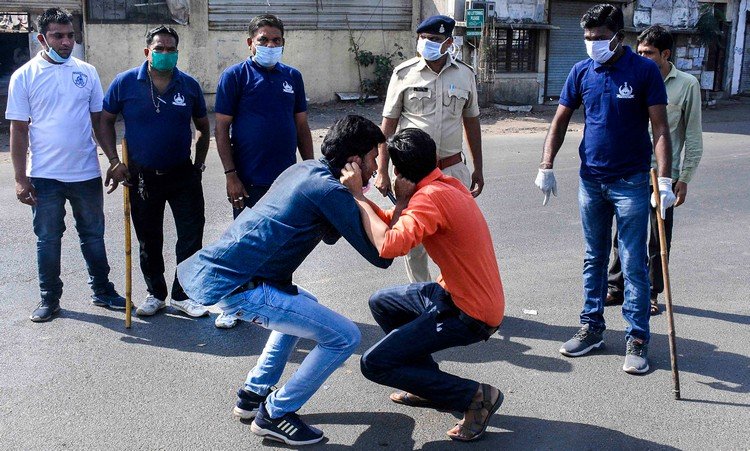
column 566, row 44
column 38, row 6
column 314, row 14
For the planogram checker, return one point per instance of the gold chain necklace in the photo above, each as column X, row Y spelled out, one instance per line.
column 152, row 89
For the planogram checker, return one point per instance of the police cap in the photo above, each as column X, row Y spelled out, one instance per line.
column 437, row 25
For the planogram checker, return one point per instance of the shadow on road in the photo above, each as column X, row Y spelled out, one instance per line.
column 534, row 433
column 729, row 371
column 384, row 430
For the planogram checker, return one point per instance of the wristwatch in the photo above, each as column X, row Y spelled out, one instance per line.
column 201, row 167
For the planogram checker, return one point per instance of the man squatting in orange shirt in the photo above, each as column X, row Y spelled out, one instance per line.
column 463, row 307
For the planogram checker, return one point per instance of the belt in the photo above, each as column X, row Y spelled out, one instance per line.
column 250, row 285
column 476, row 326
column 176, row 168
column 450, row 161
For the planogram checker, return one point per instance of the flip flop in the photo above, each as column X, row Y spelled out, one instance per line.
column 475, row 427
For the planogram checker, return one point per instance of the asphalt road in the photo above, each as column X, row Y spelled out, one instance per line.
column 85, row 382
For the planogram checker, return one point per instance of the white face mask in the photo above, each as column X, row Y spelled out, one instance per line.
column 599, row 50
column 429, row 50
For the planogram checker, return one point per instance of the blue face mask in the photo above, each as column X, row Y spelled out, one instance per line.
column 53, row 55
column 429, row 50
column 268, row 56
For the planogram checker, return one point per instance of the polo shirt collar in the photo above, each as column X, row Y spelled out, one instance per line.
column 259, row 67
column 429, row 178
column 622, row 63
column 143, row 73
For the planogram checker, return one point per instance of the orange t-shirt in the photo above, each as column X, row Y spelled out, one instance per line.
column 444, row 216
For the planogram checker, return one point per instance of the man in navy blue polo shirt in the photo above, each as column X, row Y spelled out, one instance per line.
column 261, row 119
column 620, row 92
column 158, row 103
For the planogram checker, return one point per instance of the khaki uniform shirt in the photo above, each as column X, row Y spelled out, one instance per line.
column 434, row 103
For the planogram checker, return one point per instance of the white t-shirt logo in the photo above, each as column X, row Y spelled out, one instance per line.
column 625, row 92
column 288, row 88
column 80, row 79
column 178, row 100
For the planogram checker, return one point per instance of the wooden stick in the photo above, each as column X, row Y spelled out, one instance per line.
column 667, row 288
column 128, row 260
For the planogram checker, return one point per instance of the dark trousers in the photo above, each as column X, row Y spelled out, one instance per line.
column 254, row 193
column 615, row 279
column 181, row 189
column 419, row 319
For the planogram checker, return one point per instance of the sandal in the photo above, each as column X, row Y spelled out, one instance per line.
column 476, row 429
column 410, row 400
column 654, row 307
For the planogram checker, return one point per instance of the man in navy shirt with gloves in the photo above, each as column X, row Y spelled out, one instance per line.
column 620, row 92
column 261, row 120
column 158, row 103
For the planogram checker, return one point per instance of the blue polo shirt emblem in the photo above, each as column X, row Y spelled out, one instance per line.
column 288, row 88
column 178, row 100
column 80, row 79
column 625, row 92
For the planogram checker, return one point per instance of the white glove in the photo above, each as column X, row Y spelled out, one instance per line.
column 666, row 195
column 545, row 181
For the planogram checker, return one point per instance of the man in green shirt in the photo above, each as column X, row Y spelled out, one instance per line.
column 684, row 117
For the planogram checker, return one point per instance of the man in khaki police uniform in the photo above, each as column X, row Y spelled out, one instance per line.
column 436, row 93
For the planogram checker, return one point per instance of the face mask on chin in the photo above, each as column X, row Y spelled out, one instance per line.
column 599, row 50
column 268, row 56
column 52, row 54
column 429, row 50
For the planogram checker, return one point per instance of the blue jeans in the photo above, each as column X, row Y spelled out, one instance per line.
column 419, row 319
column 627, row 199
column 292, row 316
column 87, row 202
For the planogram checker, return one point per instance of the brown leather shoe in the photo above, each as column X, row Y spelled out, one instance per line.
column 613, row 300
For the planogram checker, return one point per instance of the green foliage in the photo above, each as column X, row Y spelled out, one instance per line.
column 382, row 69
column 709, row 24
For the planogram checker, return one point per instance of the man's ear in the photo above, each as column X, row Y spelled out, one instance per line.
column 355, row 159
column 395, row 171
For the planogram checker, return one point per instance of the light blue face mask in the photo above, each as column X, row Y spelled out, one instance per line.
column 429, row 50
column 268, row 56
column 53, row 55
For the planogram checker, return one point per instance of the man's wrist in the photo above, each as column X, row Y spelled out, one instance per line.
column 545, row 165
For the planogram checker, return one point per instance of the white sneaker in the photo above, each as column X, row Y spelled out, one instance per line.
column 151, row 305
column 224, row 321
column 189, row 307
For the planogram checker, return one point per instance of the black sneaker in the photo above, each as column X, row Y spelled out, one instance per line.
column 289, row 429
column 584, row 341
column 45, row 311
column 636, row 356
column 111, row 300
column 247, row 404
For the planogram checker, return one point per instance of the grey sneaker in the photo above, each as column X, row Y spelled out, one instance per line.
column 636, row 356
column 585, row 340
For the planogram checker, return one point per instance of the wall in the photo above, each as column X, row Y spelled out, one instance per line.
column 677, row 13
column 322, row 56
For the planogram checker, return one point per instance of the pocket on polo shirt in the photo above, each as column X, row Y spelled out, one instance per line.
column 420, row 100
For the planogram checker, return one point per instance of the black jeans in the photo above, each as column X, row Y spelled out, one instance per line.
column 615, row 280
column 254, row 193
column 149, row 194
column 419, row 319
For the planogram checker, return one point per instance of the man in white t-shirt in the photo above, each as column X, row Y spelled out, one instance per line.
column 52, row 101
